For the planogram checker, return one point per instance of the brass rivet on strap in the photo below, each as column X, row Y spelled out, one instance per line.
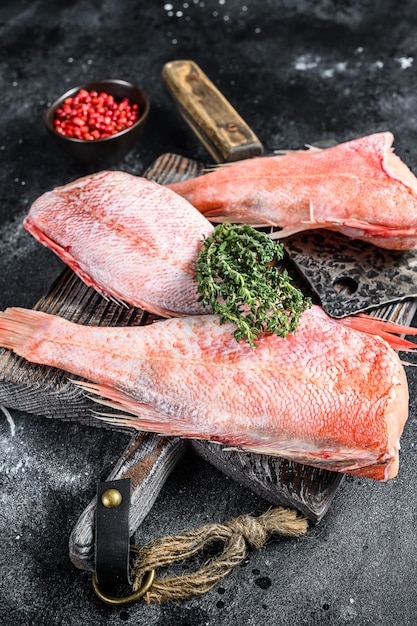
column 111, row 498
column 115, row 601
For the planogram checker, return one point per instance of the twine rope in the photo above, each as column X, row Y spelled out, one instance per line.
column 238, row 536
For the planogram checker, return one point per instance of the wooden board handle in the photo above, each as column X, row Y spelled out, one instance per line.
column 217, row 124
column 147, row 461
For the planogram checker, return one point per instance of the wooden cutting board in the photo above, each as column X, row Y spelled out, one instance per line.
column 148, row 459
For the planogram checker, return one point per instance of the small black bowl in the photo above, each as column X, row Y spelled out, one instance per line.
column 102, row 152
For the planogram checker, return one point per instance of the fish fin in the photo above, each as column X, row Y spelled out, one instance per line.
column 136, row 414
column 384, row 329
column 292, row 230
column 376, row 230
column 349, row 227
column 308, row 148
column 216, row 166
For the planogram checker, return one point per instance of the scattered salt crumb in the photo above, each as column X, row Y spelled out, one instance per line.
column 405, row 62
column 9, row 419
column 306, row 62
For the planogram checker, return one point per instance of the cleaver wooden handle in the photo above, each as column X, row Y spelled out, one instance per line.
column 216, row 123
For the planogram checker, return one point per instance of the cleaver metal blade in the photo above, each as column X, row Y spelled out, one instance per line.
column 351, row 276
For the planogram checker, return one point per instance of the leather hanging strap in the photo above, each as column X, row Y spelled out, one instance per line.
column 112, row 545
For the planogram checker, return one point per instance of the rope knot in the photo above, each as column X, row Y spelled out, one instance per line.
column 252, row 529
column 236, row 535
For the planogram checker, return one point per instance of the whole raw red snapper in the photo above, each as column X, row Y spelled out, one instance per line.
column 359, row 188
column 330, row 395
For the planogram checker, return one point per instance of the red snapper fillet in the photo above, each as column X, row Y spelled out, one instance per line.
column 359, row 188
column 329, row 395
column 126, row 236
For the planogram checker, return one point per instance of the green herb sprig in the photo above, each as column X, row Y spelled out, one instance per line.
column 237, row 279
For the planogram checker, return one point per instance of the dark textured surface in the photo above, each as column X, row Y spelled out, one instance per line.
column 298, row 73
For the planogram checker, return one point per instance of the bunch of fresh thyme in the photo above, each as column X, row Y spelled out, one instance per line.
column 238, row 280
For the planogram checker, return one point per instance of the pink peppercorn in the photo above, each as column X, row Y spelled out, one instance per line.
column 93, row 115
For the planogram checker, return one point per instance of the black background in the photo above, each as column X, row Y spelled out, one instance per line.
column 298, row 72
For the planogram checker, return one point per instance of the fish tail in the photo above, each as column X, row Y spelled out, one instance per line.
column 20, row 329
column 385, row 329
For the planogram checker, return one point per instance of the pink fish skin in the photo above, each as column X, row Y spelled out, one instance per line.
column 359, row 188
column 128, row 237
column 328, row 395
